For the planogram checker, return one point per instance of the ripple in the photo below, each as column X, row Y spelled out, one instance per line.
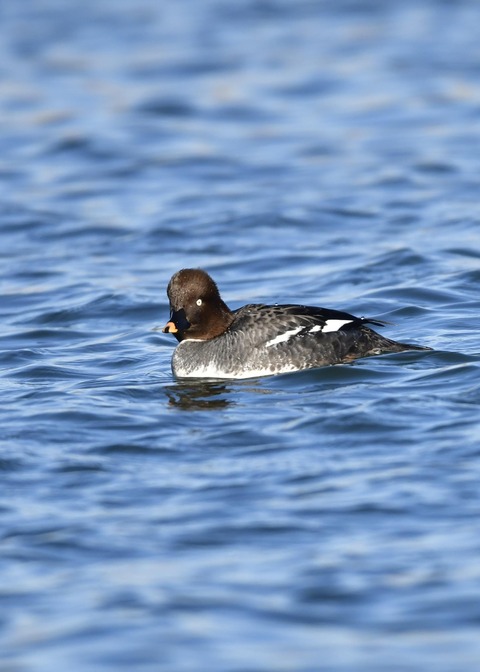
column 166, row 107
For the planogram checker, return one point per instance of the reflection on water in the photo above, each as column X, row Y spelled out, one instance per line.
column 199, row 396
column 195, row 395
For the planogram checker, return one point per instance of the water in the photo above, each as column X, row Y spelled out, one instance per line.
column 318, row 152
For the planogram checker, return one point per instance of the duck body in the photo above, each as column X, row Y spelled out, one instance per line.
column 261, row 340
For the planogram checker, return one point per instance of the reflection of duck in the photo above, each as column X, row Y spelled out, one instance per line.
column 260, row 340
column 198, row 396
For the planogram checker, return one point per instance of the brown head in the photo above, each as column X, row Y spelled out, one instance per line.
column 197, row 309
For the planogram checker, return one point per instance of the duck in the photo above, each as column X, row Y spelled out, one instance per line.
column 261, row 340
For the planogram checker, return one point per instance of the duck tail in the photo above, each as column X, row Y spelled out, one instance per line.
column 387, row 344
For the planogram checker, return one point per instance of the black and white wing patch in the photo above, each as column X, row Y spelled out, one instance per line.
column 299, row 321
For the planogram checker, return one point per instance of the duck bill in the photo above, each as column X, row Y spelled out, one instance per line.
column 178, row 322
column 170, row 328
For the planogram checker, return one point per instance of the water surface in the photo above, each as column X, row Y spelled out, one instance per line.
column 325, row 153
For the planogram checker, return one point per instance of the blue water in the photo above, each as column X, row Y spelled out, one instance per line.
column 325, row 153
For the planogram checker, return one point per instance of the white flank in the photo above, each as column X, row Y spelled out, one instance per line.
column 334, row 325
column 213, row 372
column 281, row 338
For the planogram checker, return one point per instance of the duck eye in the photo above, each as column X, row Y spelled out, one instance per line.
column 199, row 302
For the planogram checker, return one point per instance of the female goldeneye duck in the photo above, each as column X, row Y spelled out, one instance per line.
column 261, row 340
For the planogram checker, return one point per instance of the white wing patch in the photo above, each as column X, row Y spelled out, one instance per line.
column 329, row 326
column 281, row 338
column 333, row 325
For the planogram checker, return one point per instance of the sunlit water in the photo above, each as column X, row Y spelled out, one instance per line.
column 326, row 153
